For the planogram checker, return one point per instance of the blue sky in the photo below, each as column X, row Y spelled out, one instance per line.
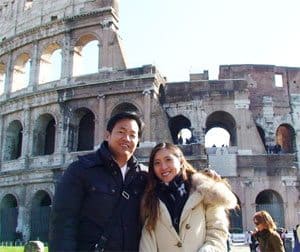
column 182, row 37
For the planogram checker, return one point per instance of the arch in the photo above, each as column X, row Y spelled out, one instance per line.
column 217, row 137
column 176, row 124
column 44, row 135
column 271, row 201
column 9, row 216
column 13, row 141
column 86, row 55
column 28, row 4
column 125, row 107
column 223, row 120
column 21, row 72
column 162, row 94
column 50, row 63
column 2, row 77
column 286, row 138
column 236, row 219
column 40, row 213
column 82, row 130
column 86, row 132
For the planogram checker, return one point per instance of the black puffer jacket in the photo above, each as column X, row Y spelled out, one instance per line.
column 85, row 198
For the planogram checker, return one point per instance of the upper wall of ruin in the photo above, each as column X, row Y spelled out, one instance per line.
column 19, row 16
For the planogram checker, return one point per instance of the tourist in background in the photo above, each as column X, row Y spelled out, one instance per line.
column 183, row 210
column 268, row 238
column 296, row 233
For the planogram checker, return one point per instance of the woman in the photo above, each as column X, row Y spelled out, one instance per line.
column 184, row 210
column 266, row 234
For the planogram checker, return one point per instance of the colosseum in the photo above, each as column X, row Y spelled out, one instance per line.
column 55, row 102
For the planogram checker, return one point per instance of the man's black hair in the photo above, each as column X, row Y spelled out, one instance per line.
column 125, row 115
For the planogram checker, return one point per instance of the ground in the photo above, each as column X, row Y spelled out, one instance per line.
column 240, row 248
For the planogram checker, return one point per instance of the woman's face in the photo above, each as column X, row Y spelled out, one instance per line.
column 166, row 165
column 259, row 226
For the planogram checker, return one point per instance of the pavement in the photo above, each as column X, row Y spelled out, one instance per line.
column 240, row 248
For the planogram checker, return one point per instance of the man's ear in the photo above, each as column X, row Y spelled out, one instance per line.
column 106, row 135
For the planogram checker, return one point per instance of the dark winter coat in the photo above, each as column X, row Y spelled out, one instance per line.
column 269, row 241
column 85, row 198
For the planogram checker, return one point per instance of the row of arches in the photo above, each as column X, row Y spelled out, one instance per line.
column 81, row 135
column 85, row 58
column 81, row 131
column 268, row 200
column 220, row 130
column 39, row 214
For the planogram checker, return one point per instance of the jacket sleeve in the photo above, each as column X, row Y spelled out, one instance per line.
column 277, row 243
column 216, row 229
column 148, row 241
column 65, row 211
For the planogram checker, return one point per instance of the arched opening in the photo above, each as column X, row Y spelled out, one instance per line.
column 21, row 72
column 86, row 132
column 2, row 78
column 40, row 213
column 9, row 216
column 271, row 202
column 162, row 94
column 86, row 56
column 50, row 138
column 13, row 141
column 285, row 138
column 125, row 107
column 217, row 137
column 184, row 136
column 176, row 125
column 224, row 120
column 28, row 4
column 44, row 135
column 50, row 64
column 82, row 130
column 236, row 219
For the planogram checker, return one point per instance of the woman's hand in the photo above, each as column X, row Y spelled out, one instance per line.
column 212, row 174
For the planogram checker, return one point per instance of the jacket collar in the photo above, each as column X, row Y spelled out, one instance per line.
column 103, row 157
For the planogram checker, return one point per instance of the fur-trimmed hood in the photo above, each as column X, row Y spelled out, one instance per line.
column 213, row 192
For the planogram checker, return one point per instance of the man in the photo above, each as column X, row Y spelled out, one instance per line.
column 97, row 201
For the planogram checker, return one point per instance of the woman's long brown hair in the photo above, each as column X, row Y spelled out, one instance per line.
column 150, row 202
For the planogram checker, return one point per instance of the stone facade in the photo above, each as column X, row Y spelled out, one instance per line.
column 45, row 122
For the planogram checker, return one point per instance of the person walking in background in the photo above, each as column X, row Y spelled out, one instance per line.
column 296, row 233
column 251, row 241
column 266, row 234
column 183, row 210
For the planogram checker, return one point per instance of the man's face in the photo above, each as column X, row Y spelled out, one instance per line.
column 123, row 140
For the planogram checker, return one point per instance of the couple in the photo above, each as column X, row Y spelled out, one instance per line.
column 104, row 198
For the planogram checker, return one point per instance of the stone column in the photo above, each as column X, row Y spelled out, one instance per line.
column 61, row 135
column 34, row 68
column 67, row 59
column 8, row 76
column 247, row 207
column 99, row 57
column 147, row 114
column 23, row 221
column 26, row 146
column 100, row 120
